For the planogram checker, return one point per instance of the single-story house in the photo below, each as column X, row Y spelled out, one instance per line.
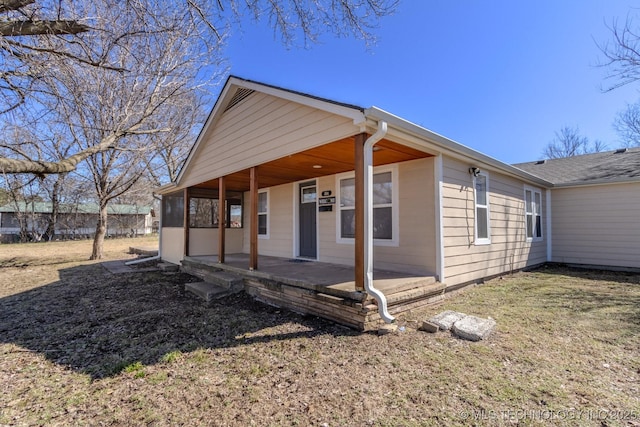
column 73, row 220
column 355, row 214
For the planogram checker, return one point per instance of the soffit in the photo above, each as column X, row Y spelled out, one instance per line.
column 336, row 157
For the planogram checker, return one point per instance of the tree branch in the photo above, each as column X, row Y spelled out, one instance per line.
column 34, row 28
column 6, row 5
column 66, row 165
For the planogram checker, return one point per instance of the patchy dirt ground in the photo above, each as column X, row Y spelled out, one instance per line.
column 79, row 346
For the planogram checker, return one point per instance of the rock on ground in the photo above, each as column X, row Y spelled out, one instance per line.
column 446, row 319
column 429, row 327
column 473, row 328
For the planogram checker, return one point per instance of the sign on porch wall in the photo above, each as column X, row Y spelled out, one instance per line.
column 327, row 201
column 325, row 204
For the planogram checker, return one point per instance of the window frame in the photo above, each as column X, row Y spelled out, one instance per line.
column 535, row 213
column 265, row 213
column 478, row 241
column 395, row 228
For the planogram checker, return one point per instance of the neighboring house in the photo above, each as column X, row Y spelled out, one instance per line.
column 595, row 207
column 299, row 175
column 73, row 220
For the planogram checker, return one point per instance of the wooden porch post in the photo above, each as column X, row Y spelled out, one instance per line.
column 185, row 220
column 222, row 198
column 359, row 210
column 253, row 229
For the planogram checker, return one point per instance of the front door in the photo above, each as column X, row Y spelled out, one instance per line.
column 308, row 209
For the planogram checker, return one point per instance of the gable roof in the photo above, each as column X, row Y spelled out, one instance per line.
column 85, row 208
column 237, row 89
column 596, row 168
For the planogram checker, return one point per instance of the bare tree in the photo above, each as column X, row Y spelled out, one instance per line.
column 622, row 54
column 568, row 142
column 622, row 59
column 111, row 115
column 125, row 95
column 627, row 124
column 36, row 30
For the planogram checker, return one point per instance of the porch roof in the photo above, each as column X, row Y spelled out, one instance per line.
column 333, row 158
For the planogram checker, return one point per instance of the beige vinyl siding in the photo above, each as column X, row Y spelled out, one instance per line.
column 172, row 249
column 415, row 252
column 279, row 223
column 464, row 260
column 597, row 225
column 204, row 241
column 260, row 129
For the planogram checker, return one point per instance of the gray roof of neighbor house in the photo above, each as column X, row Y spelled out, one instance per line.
column 598, row 168
column 85, row 208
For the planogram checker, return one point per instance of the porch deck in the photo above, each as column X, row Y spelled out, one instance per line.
column 322, row 289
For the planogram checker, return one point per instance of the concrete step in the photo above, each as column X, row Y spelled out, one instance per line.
column 225, row 280
column 207, row 291
column 168, row 267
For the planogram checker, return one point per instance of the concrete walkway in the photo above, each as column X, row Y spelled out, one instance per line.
column 119, row 267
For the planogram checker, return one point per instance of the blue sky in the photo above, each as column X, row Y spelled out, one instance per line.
column 498, row 76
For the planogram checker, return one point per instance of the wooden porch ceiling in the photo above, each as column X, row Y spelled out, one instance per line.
column 336, row 157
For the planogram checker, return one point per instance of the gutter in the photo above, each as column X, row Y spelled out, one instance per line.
column 451, row 148
column 368, row 221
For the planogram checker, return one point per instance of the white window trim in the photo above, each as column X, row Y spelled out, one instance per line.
column 536, row 210
column 267, row 213
column 395, row 222
column 481, row 241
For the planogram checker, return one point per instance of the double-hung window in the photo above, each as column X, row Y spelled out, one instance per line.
column 533, row 213
column 482, row 223
column 384, row 208
column 263, row 214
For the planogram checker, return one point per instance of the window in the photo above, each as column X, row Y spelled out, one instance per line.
column 9, row 220
column 483, row 228
column 308, row 194
column 263, row 213
column 203, row 213
column 383, row 208
column 173, row 210
column 533, row 209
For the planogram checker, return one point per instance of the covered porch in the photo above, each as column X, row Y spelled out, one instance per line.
column 240, row 243
column 282, row 174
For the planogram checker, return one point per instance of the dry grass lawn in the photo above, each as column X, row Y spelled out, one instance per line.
column 79, row 346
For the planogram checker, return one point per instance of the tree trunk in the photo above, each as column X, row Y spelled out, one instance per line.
column 101, row 231
column 50, row 233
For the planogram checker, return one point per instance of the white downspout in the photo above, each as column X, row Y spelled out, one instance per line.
column 368, row 221
column 153, row 258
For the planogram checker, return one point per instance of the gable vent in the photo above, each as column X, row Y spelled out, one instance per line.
column 621, row 150
column 238, row 97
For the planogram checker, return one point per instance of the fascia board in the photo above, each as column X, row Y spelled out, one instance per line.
column 166, row 189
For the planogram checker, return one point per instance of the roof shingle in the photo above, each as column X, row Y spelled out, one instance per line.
column 595, row 168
